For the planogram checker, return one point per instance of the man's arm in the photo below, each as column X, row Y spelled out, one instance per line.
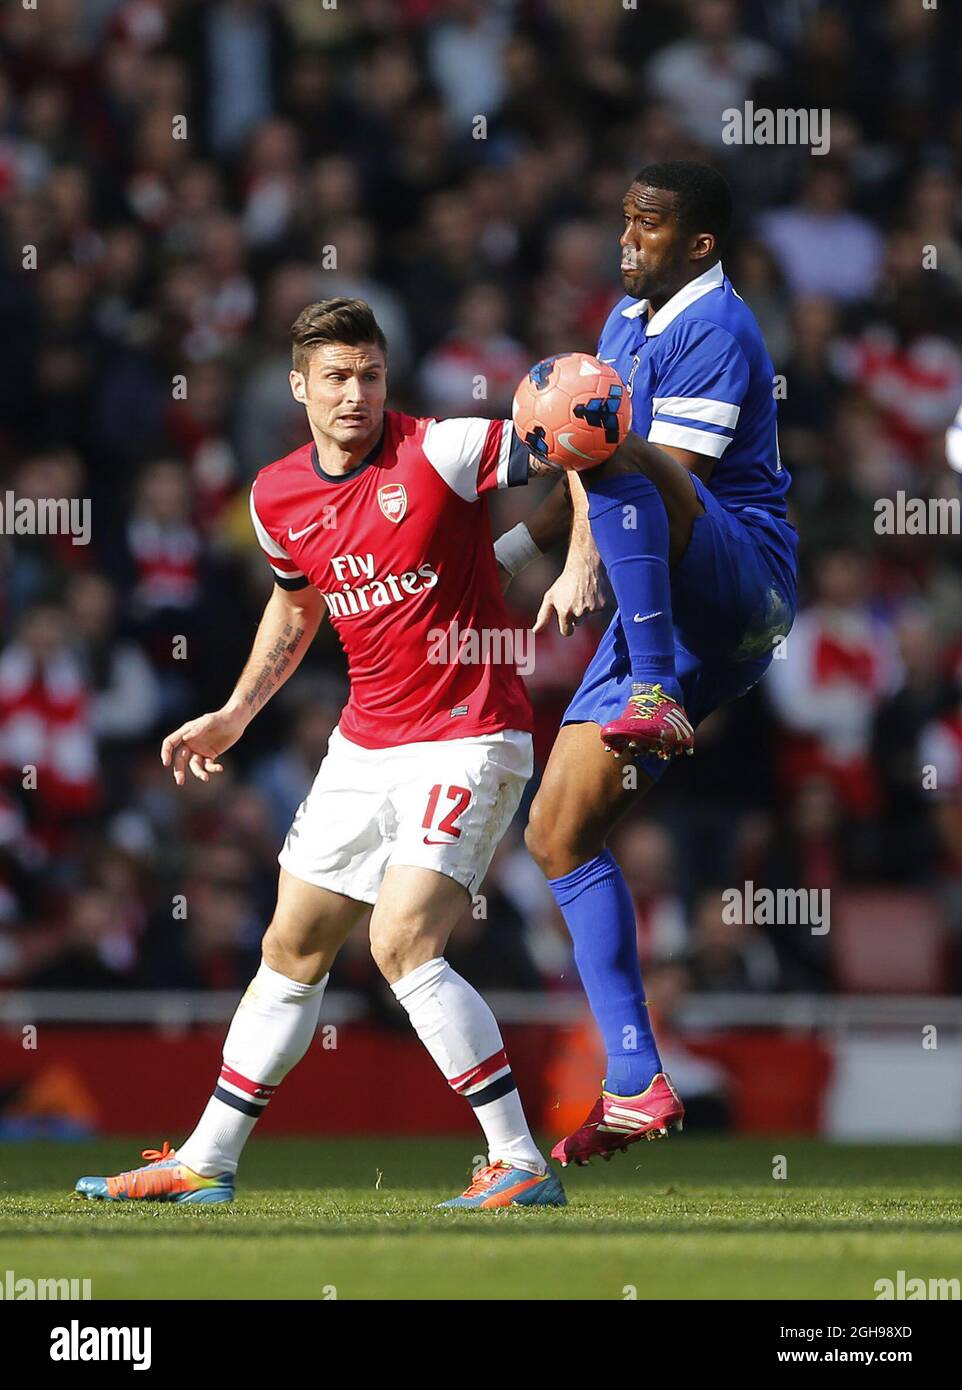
column 577, row 590
column 286, row 630
column 564, row 513
column 699, row 464
column 648, row 458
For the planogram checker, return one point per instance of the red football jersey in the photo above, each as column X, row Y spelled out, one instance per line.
column 401, row 549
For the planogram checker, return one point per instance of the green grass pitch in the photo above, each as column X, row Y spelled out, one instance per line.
column 355, row 1219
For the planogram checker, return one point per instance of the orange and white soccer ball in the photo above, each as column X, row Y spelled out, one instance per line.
column 572, row 410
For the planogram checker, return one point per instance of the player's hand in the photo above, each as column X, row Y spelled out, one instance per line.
column 199, row 743
column 575, row 592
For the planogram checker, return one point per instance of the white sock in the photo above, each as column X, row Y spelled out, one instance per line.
column 462, row 1035
column 270, row 1032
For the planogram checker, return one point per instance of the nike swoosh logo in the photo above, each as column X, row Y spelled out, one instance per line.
column 639, row 619
column 296, row 535
column 439, row 842
column 565, row 441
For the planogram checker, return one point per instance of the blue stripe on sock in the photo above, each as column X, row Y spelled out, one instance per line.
column 495, row 1091
column 244, row 1106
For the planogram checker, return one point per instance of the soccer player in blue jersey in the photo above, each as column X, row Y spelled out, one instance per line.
column 689, row 518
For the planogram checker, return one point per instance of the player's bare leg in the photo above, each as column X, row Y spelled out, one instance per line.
column 309, row 926
column 582, row 796
column 416, row 911
column 270, row 1032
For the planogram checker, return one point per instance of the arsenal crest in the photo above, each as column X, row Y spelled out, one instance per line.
column 393, row 501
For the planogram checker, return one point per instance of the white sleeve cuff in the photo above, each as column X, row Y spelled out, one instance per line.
column 684, row 437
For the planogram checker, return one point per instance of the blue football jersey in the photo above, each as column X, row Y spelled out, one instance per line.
column 700, row 378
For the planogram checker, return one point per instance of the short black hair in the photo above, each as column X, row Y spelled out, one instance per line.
column 703, row 196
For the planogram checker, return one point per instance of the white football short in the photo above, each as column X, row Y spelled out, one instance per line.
column 441, row 805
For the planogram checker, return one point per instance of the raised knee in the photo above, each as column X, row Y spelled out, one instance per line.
column 536, row 837
column 552, row 843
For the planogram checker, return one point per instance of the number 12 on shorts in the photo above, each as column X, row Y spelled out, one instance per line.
column 447, row 825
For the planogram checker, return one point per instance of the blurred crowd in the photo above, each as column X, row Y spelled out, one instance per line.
column 178, row 179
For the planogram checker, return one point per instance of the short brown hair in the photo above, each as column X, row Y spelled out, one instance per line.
column 348, row 321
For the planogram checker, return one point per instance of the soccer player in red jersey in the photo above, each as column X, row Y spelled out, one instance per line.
column 379, row 523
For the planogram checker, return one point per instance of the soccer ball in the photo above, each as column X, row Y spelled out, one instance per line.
column 572, row 410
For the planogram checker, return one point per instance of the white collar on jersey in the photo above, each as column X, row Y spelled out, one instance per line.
column 712, row 279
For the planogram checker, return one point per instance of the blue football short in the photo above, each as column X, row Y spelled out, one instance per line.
column 733, row 598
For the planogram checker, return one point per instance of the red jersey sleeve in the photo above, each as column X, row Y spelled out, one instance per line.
column 474, row 455
column 285, row 572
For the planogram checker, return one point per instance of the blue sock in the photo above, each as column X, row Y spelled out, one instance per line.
column 597, row 907
column 630, row 527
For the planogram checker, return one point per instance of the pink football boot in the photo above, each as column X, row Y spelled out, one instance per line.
column 617, row 1121
column 653, row 722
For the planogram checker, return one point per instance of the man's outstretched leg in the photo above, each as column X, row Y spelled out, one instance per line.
column 581, row 798
column 270, row 1033
column 630, row 526
column 415, row 913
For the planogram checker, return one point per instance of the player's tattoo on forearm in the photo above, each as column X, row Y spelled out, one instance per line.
column 271, row 673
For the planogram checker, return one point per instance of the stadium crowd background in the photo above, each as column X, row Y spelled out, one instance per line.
column 482, row 247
